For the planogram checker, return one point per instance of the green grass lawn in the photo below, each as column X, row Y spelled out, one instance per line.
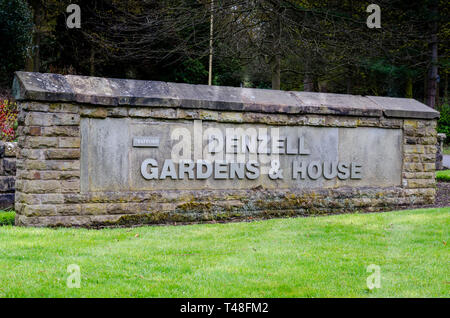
column 443, row 175
column 298, row 257
column 7, row 218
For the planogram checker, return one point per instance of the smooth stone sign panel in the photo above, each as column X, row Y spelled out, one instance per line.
column 139, row 155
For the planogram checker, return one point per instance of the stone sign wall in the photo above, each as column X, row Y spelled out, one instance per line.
column 105, row 152
column 440, row 152
column 7, row 174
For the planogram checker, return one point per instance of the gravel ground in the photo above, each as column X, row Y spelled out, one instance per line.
column 442, row 198
column 443, row 195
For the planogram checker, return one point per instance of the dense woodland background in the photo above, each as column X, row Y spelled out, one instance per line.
column 301, row 45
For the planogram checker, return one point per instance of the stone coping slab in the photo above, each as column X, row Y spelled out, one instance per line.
column 115, row 92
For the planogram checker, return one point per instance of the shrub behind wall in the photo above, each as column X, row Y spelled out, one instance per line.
column 444, row 121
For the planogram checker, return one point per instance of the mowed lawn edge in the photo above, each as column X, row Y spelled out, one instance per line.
column 443, row 175
column 297, row 257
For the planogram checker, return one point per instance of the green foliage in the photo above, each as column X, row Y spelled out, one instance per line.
column 7, row 218
column 227, row 72
column 443, row 175
column 191, row 71
column 444, row 121
column 15, row 34
column 169, row 41
column 388, row 79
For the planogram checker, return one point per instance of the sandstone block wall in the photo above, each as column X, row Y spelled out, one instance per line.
column 439, row 151
column 7, row 174
column 48, row 173
column 56, row 184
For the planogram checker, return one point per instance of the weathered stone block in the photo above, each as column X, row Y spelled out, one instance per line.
column 36, row 199
column 70, row 186
column 413, row 167
column 421, row 183
column 412, row 158
column 39, row 210
column 6, row 201
column 7, row 183
column 341, row 122
column 117, row 112
column 411, row 140
column 93, row 209
column 9, row 166
column 428, row 158
column 94, row 112
column 429, row 167
column 66, row 131
column 51, row 107
column 431, row 132
column 139, row 112
column 231, row 117
column 416, row 149
column 38, row 119
column 414, row 124
column 208, row 115
column 427, row 141
column 33, row 106
column 47, row 175
column 430, row 149
column 51, row 119
column 11, row 149
column 33, row 154
column 390, row 123
column 39, row 142
column 60, row 165
column 62, row 154
column 34, row 131
column 418, row 175
column 68, row 209
column 51, row 210
column 315, row 121
column 40, row 186
column 69, row 142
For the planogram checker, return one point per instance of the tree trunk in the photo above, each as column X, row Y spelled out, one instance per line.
column 276, row 72
column 425, row 82
column 446, row 89
column 33, row 62
column 316, row 84
column 349, row 85
column 308, row 81
column 433, row 73
column 349, row 80
column 437, row 94
column 275, row 60
column 92, row 62
column 211, row 35
column 409, row 87
column 323, row 86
